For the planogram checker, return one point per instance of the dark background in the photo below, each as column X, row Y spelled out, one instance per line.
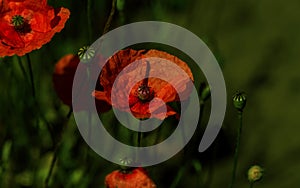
column 257, row 44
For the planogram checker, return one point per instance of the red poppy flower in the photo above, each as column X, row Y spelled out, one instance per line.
column 144, row 91
column 27, row 25
column 137, row 178
column 63, row 77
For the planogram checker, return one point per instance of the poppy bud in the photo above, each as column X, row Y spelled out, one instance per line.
column 255, row 173
column 239, row 100
column 204, row 92
column 120, row 5
column 135, row 178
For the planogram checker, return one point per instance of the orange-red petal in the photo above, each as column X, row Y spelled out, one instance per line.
column 161, row 88
column 137, row 178
column 63, row 77
column 43, row 22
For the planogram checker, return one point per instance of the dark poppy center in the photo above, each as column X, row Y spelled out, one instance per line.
column 20, row 24
column 144, row 93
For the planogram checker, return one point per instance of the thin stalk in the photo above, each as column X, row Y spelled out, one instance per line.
column 178, row 177
column 89, row 111
column 110, row 17
column 22, row 68
column 89, row 126
column 56, row 147
column 39, row 114
column 89, row 20
column 251, row 184
column 30, row 74
column 236, row 154
column 139, row 138
column 53, row 161
column 145, row 82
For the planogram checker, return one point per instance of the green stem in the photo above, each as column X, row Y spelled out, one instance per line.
column 56, row 147
column 89, row 126
column 139, row 139
column 51, row 168
column 251, row 184
column 22, row 68
column 178, row 177
column 89, row 20
column 236, row 154
column 30, row 74
column 89, row 111
column 111, row 15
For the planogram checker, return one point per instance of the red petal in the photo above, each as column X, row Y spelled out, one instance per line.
column 45, row 22
column 63, row 77
column 162, row 89
column 137, row 178
column 9, row 37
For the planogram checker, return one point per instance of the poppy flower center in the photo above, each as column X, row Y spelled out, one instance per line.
column 144, row 93
column 20, row 24
column 17, row 20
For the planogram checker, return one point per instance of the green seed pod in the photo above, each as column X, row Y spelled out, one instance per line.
column 126, row 161
column 239, row 100
column 126, row 164
column 17, row 21
column 86, row 53
column 255, row 173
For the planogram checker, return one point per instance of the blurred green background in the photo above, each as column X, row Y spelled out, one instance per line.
column 257, row 44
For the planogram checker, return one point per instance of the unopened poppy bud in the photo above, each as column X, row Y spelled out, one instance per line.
column 239, row 100
column 120, row 5
column 255, row 173
column 204, row 92
column 86, row 53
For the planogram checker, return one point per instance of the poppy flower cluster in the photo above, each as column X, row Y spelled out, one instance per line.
column 27, row 25
column 141, row 93
column 136, row 178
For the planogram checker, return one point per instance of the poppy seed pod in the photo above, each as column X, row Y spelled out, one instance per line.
column 239, row 100
column 17, row 21
column 86, row 53
column 255, row 173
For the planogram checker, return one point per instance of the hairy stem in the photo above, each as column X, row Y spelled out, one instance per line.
column 251, row 184
column 89, row 20
column 236, row 154
column 111, row 15
column 30, row 74
column 55, row 153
